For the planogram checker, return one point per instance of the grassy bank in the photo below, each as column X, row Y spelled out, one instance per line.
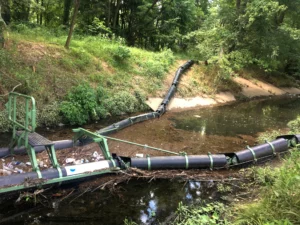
column 98, row 74
column 279, row 194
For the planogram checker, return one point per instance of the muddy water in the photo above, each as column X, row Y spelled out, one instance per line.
column 217, row 129
column 246, row 118
column 142, row 202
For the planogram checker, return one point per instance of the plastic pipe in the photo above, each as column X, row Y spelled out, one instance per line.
column 261, row 151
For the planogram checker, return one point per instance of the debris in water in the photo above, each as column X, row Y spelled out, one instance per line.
column 70, row 160
column 95, row 154
column 5, row 172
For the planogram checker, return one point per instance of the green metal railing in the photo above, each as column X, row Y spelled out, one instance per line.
column 29, row 124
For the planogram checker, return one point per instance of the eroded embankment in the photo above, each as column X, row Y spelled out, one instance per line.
column 250, row 88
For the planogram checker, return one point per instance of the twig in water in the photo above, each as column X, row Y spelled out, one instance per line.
column 88, row 189
column 67, row 195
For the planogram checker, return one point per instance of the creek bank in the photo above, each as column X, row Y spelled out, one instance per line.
column 249, row 89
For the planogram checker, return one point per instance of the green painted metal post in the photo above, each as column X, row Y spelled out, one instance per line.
column 102, row 142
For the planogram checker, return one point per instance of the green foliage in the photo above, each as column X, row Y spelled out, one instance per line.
column 129, row 222
column 268, row 136
column 29, row 81
column 158, row 65
column 239, row 34
column 154, row 68
column 80, row 105
column 5, row 125
column 49, row 115
column 294, row 125
column 4, row 58
column 98, row 27
column 120, row 53
column 81, row 59
column 279, row 203
column 203, row 214
column 223, row 188
column 122, row 102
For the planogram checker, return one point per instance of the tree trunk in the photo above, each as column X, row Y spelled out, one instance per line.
column 66, row 15
column 41, row 14
column 108, row 14
column 76, row 7
column 2, row 29
column 37, row 13
column 6, row 14
column 116, row 17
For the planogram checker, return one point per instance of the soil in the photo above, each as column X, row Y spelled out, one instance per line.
column 250, row 89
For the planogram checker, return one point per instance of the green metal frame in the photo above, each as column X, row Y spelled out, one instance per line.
column 100, row 140
column 30, row 115
column 28, row 127
column 55, row 180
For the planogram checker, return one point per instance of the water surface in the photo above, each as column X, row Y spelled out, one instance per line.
column 246, row 118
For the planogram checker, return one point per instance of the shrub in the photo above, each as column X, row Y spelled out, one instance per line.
column 120, row 53
column 154, row 68
column 98, row 27
column 84, row 104
column 49, row 115
column 121, row 103
column 5, row 125
column 80, row 105
column 73, row 113
column 141, row 98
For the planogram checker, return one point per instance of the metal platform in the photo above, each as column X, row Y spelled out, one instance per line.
column 35, row 139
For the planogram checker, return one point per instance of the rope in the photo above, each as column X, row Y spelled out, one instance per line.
column 145, row 146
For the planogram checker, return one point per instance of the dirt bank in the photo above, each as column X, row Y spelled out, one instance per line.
column 249, row 89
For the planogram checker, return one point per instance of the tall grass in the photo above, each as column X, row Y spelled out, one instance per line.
column 279, row 196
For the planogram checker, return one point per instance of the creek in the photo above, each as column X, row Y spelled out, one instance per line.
column 224, row 128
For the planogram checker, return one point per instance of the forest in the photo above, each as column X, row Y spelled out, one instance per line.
column 231, row 33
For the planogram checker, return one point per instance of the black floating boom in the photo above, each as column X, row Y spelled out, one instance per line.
column 262, row 151
column 180, row 162
column 159, row 112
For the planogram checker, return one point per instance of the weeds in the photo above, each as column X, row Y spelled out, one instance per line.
column 205, row 214
column 294, row 125
column 280, row 196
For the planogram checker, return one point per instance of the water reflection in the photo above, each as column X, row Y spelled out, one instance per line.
column 241, row 118
column 144, row 203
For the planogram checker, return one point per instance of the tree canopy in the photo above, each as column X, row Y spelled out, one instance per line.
column 233, row 33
